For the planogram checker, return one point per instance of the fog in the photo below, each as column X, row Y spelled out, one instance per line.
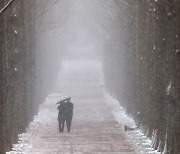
column 73, row 30
column 64, row 30
column 113, row 57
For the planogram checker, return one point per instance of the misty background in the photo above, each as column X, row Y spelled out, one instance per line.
column 135, row 43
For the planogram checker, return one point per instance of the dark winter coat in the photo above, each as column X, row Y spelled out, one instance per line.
column 61, row 114
column 65, row 111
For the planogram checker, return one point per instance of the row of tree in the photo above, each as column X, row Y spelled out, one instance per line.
column 23, row 78
column 142, row 68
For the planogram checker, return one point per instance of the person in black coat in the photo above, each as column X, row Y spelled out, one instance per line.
column 65, row 114
column 61, row 117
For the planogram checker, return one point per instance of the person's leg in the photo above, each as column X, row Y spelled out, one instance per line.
column 62, row 128
column 68, row 126
column 68, row 123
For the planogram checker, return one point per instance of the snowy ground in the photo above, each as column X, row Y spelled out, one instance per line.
column 44, row 116
column 140, row 141
column 96, row 119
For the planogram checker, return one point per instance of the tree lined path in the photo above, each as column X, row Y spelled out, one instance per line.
column 94, row 129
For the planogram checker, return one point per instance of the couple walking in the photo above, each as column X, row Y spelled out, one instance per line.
column 65, row 114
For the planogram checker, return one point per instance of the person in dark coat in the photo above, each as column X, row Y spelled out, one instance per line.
column 61, row 117
column 65, row 114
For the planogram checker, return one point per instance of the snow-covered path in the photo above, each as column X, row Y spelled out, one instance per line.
column 94, row 129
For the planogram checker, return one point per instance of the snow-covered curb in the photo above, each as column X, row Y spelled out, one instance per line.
column 139, row 140
column 24, row 143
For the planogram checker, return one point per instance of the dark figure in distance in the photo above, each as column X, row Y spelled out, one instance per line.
column 65, row 114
